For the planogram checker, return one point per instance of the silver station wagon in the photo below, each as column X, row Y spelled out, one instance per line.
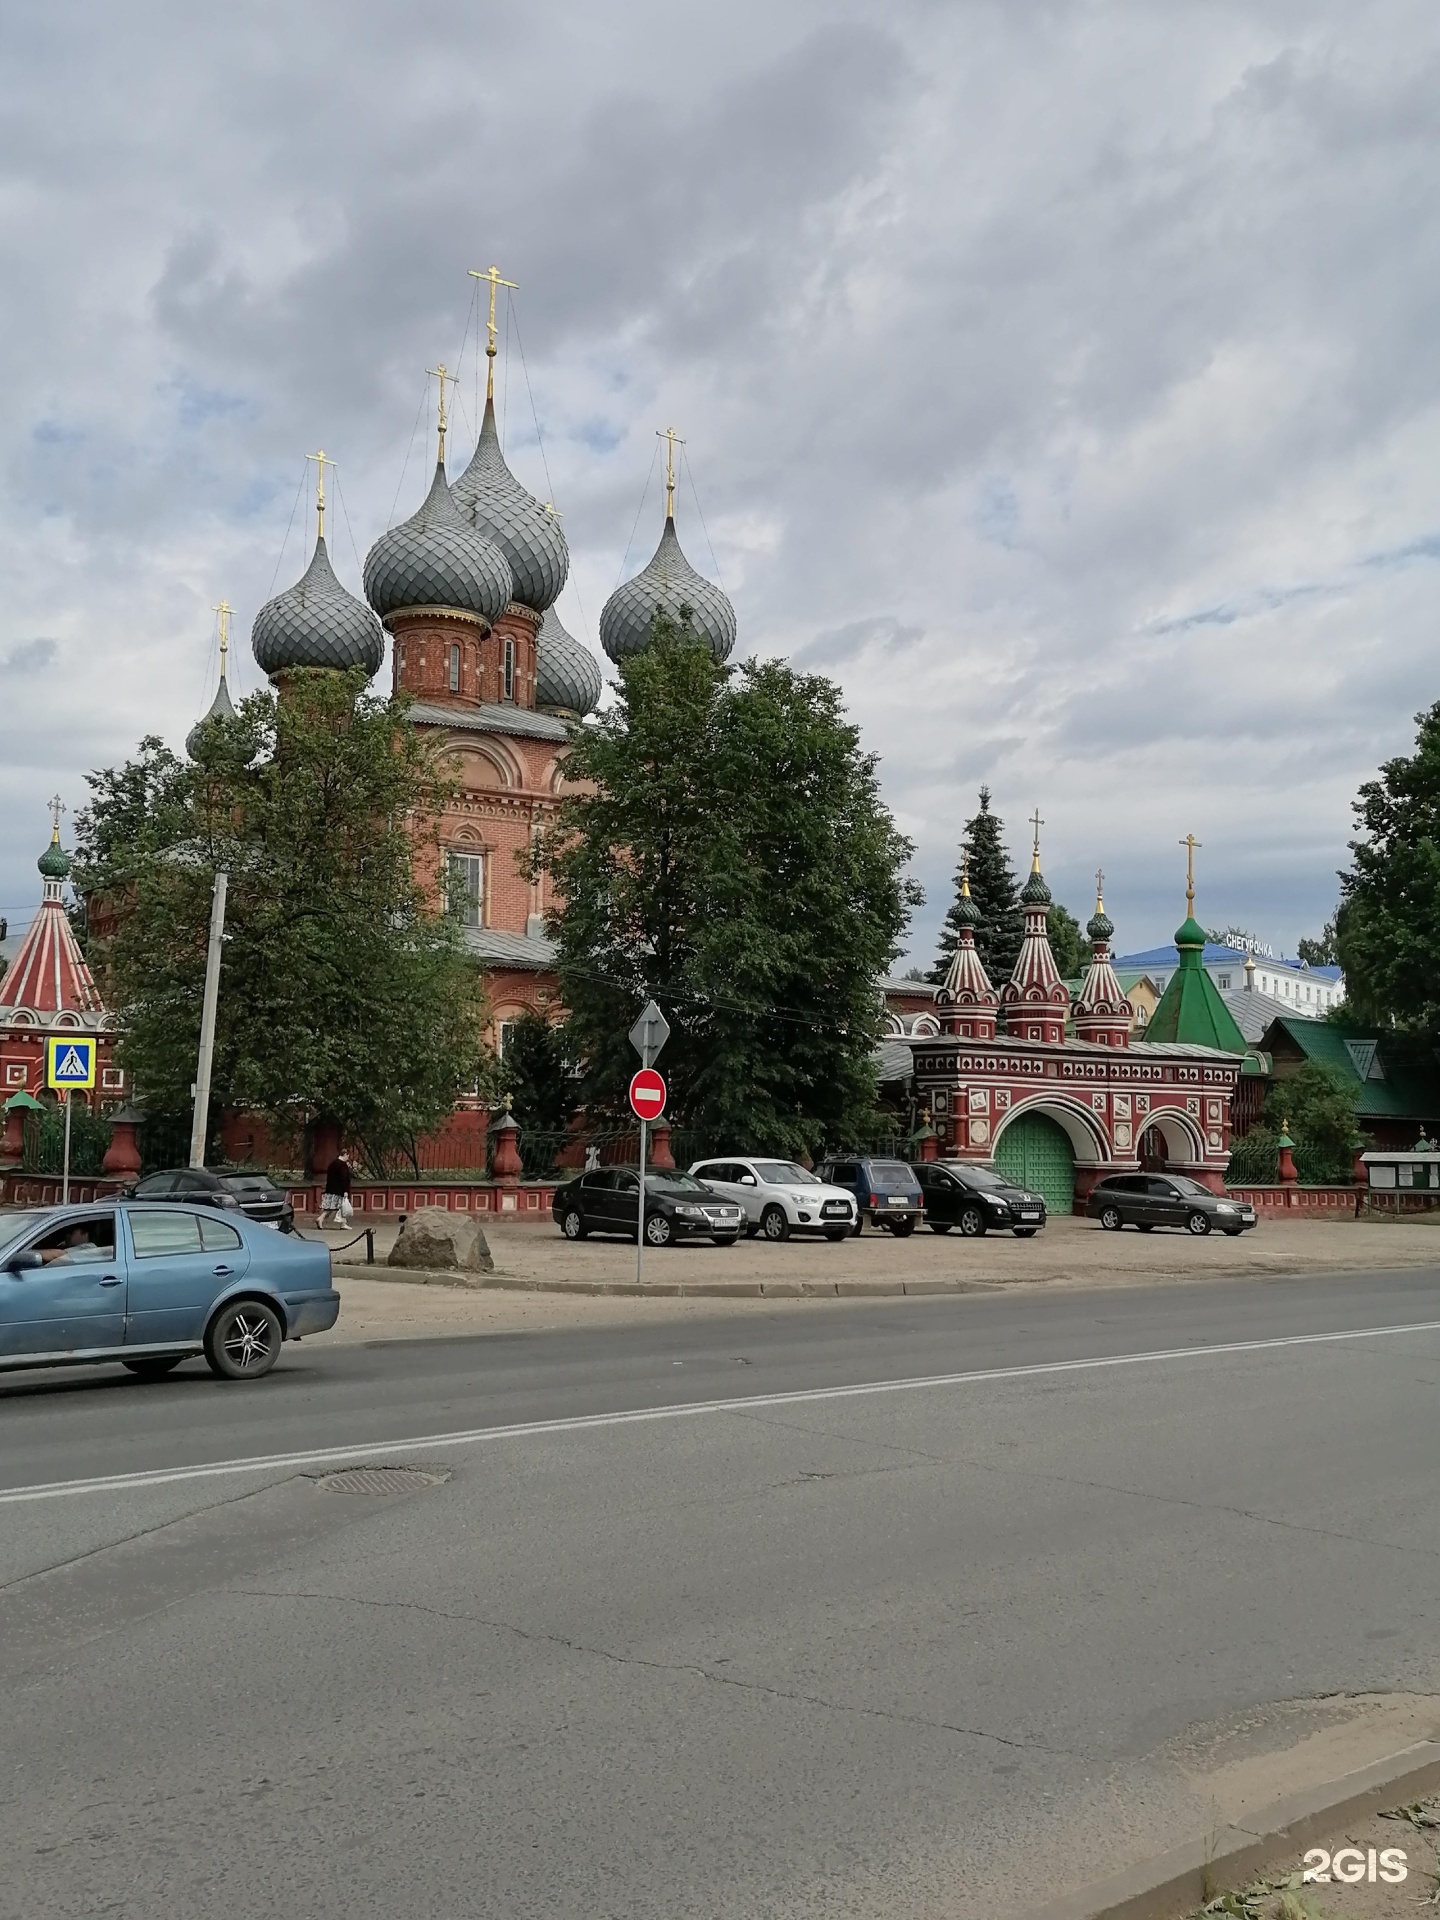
column 150, row 1285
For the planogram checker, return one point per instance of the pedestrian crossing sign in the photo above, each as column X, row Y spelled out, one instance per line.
column 69, row 1062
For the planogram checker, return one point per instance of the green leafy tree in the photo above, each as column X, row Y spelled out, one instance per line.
column 735, row 861
column 1387, row 929
column 537, row 1073
column 1319, row 1110
column 1322, row 952
column 1067, row 942
column 993, row 889
column 345, row 994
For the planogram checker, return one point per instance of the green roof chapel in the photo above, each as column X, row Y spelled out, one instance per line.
column 1191, row 1010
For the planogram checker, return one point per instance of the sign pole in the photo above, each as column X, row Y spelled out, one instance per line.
column 640, row 1225
column 200, row 1123
column 65, row 1176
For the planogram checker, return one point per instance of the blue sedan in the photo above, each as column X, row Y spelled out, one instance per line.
column 151, row 1285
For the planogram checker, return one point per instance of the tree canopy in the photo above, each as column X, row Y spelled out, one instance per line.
column 993, row 889
column 1320, row 952
column 1387, row 929
column 735, row 861
column 345, row 992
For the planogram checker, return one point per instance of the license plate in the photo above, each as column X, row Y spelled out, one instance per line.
column 1029, row 1213
column 896, row 1200
column 834, row 1206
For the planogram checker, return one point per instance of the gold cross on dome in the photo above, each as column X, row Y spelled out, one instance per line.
column 1036, row 822
column 1099, row 889
column 322, row 460
column 442, row 373
column 57, row 807
column 225, row 610
column 1190, row 843
column 492, row 275
column 672, row 440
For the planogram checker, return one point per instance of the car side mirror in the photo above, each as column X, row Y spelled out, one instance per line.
column 25, row 1262
column 746, row 1180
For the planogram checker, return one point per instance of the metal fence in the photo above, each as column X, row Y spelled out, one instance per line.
column 1255, row 1162
column 44, row 1146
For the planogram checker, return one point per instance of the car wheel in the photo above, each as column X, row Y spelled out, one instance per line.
column 859, row 1226
column 940, row 1226
column 902, row 1229
column 972, row 1223
column 1198, row 1224
column 1146, row 1226
column 751, row 1230
column 573, row 1226
column 1026, row 1233
column 1233, row 1233
column 1110, row 1219
column 725, row 1239
column 243, row 1340
column 657, row 1230
column 838, row 1233
column 774, row 1225
column 152, row 1369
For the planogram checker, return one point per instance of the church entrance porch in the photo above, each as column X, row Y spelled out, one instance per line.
column 1035, row 1152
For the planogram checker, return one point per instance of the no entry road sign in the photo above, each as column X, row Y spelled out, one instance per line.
column 647, row 1094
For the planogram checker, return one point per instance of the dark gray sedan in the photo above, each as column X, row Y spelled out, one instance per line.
column 1150, row 1200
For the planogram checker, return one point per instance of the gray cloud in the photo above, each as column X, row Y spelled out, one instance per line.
column 1062, row 380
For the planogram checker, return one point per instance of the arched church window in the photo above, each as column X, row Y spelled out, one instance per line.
column 509, row 669
column 454, row 669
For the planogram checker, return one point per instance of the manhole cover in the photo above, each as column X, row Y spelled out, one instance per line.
column 382, row 1480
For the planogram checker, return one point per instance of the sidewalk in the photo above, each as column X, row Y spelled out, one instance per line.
column 542, row 1280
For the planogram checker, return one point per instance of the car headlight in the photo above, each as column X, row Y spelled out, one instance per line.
column 1224, row 1206
column 691, row 1213
column 1000, row 1206
column 800, row 1199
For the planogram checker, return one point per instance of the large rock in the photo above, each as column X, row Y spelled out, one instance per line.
column 431, row 1237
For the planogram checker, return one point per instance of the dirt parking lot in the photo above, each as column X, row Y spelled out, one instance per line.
column 541, row 1279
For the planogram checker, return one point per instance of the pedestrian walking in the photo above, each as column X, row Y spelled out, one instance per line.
column 335, row 1209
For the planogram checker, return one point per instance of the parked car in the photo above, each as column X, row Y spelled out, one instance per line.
column 886, row 1192
column 779, row 1198
column 974, row 1197
column 150, row 1285
column 607, row 1200
column 1150, row 1200
column 253, row 1194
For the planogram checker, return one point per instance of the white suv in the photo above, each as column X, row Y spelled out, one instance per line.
column 780, row 1198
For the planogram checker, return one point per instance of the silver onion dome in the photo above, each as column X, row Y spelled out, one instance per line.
column 567, row 675
column 316, row 623
column 526, row 531
column 434, row 559
column 222, row 707
column 669, row 585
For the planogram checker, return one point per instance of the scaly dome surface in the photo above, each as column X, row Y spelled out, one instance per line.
column 222, row 707
column 526, row 531
column 567, row 675
column 434, row 559
column 669, row 585
column 54, row 862
column 316, row 623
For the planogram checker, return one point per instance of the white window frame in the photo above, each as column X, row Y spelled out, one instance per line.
column 454, row 669
column 509, row 669
column 466, row 867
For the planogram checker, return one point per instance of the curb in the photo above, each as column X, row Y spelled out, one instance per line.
column 1179, row 1882
column 663, row 1290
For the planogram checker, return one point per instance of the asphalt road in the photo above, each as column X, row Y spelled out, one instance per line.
column 908, row 1634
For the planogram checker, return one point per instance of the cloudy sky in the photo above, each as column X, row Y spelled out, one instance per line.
column 1061, row 378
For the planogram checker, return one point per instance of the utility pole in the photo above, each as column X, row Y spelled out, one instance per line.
column 200, row 1125
column 65, row 1176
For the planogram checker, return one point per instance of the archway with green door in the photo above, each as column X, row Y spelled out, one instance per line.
column 1035, row 1151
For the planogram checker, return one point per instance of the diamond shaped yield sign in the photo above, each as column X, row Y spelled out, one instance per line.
column 649, row 1033
column 647, row 1094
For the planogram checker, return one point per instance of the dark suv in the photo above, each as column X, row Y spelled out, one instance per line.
column 974, row 1197
column 887, row 1194
column 677, row 1207
column 253, row 1194
column 1150, row 1200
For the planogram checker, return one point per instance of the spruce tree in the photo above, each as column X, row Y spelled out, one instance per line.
column 992, row 888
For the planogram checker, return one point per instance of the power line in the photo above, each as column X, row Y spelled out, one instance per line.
column 360, row 565
column 424, row 394
column 655, row 455
column 288, row 525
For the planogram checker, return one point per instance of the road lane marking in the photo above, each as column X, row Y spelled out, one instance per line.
column 686, row 1410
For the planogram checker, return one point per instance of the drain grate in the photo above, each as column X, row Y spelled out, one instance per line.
column 379, row 1480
